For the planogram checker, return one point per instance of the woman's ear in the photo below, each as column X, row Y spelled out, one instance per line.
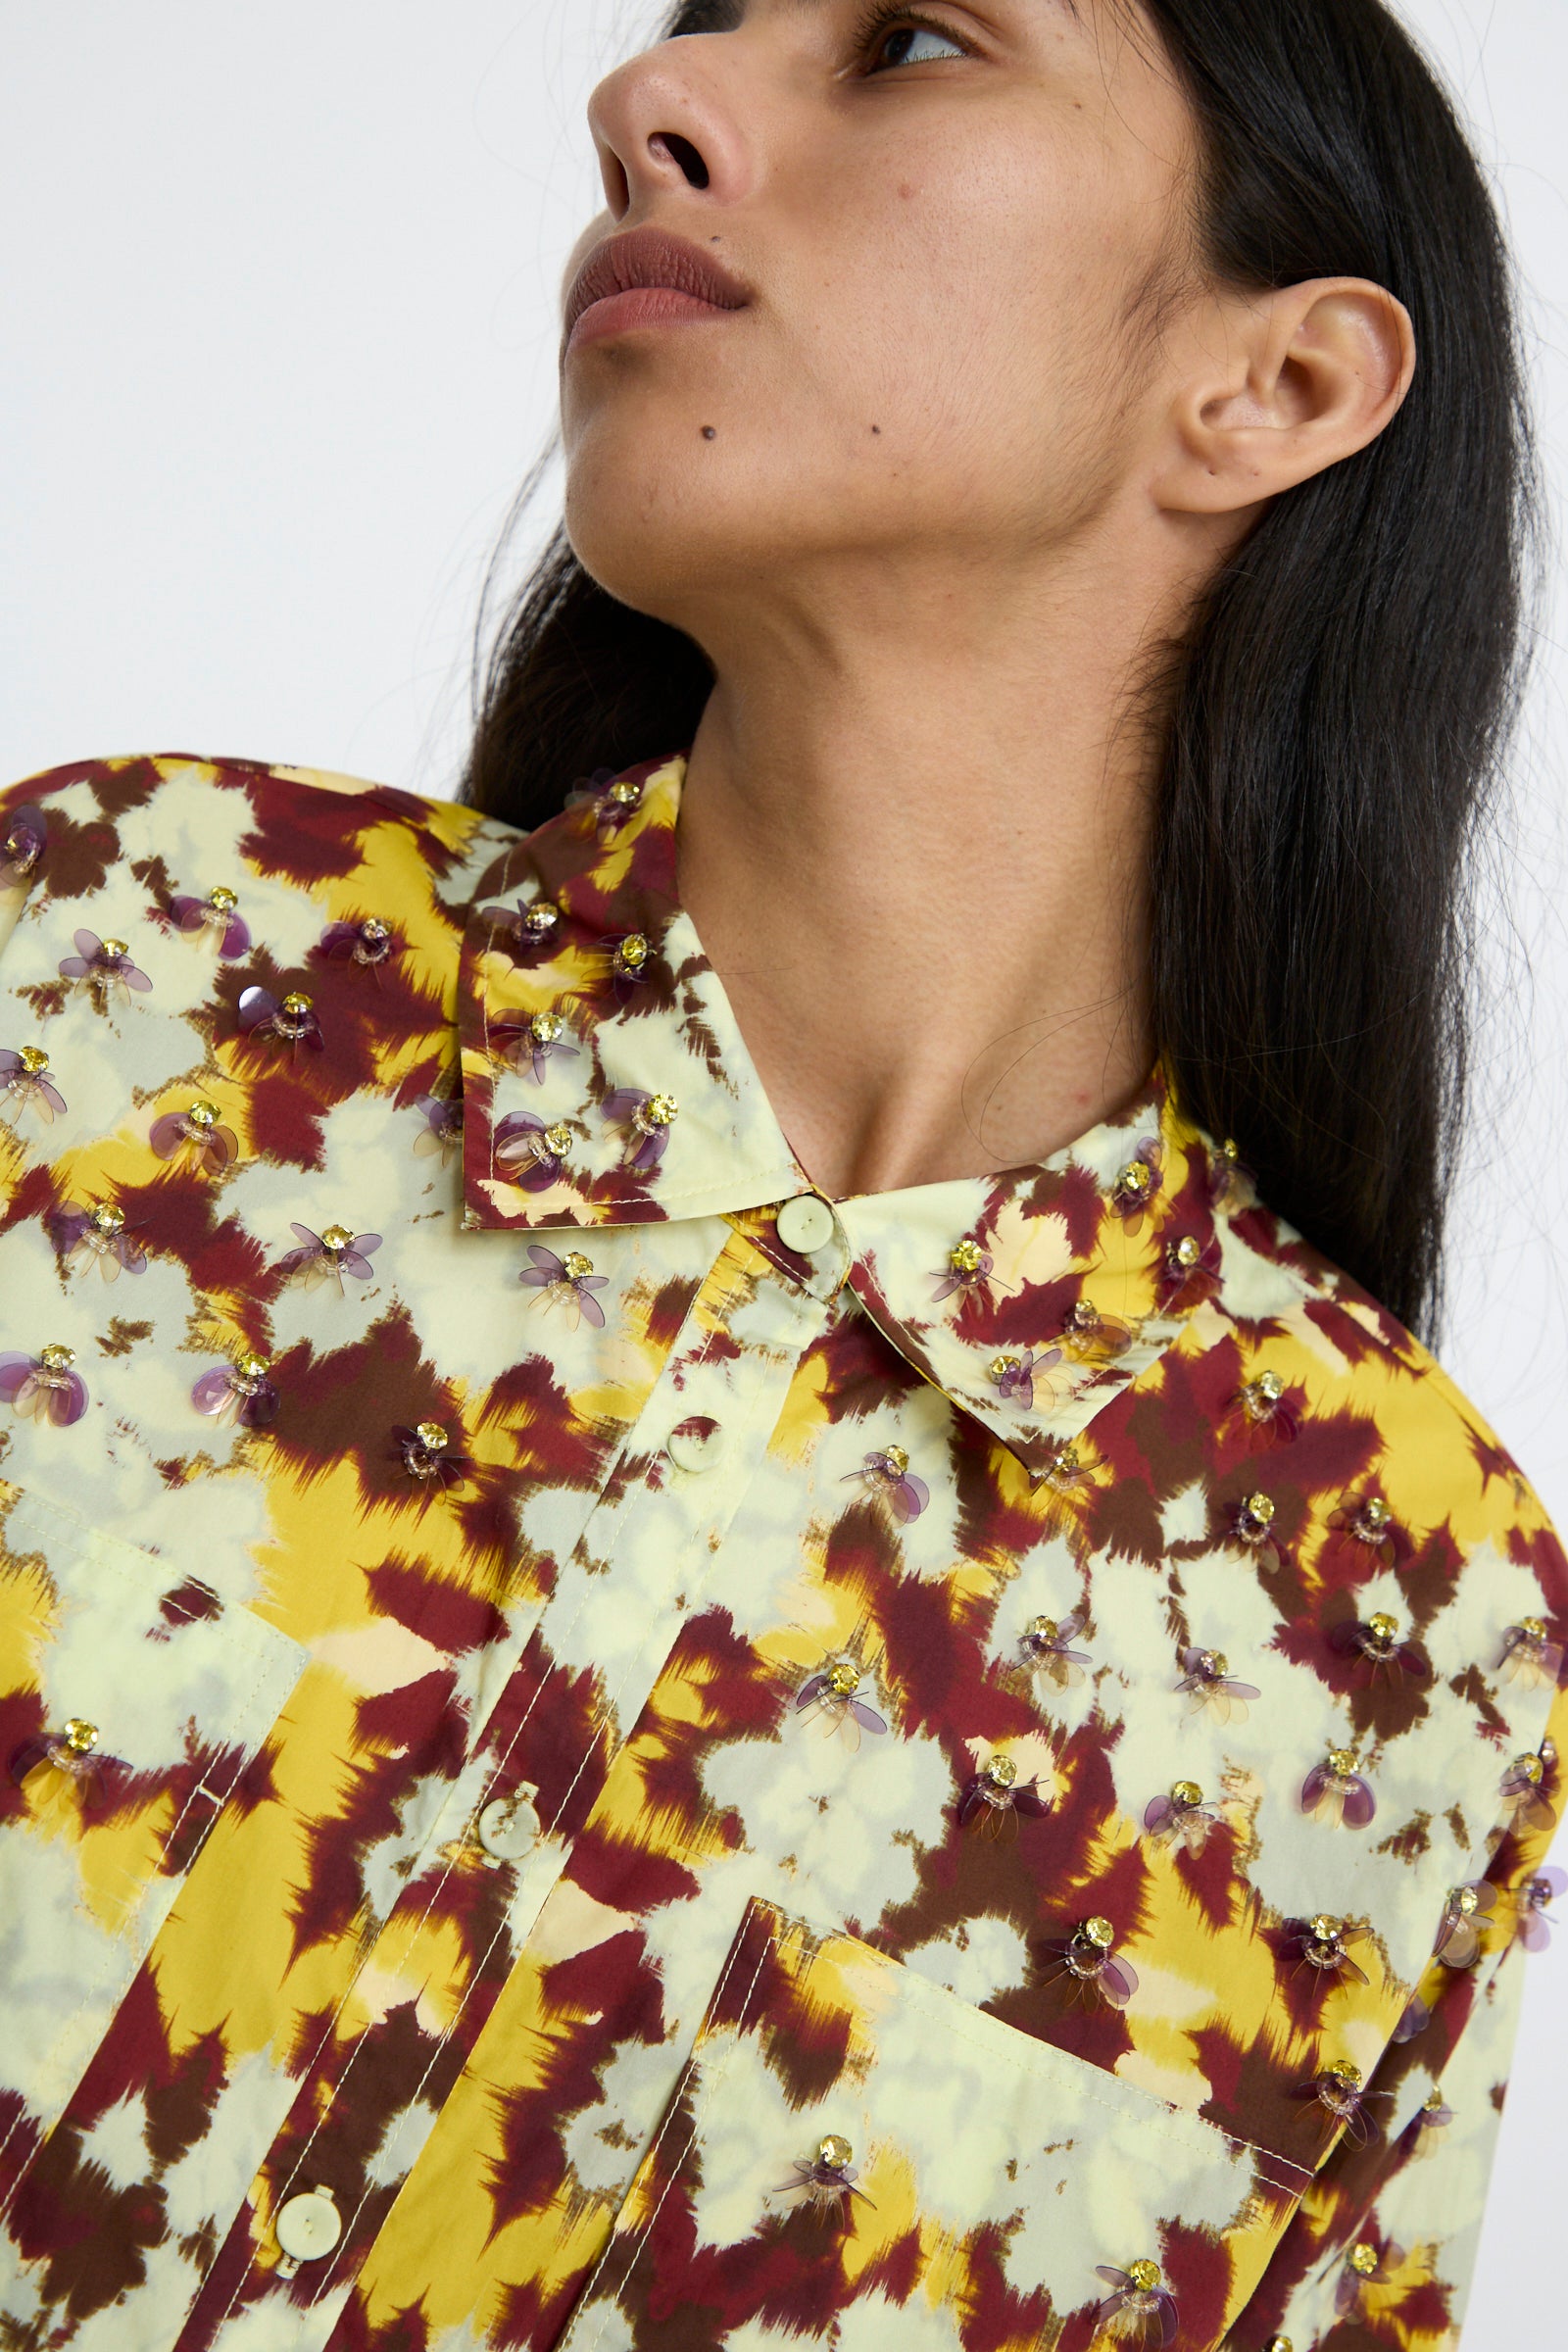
column 1296, row 380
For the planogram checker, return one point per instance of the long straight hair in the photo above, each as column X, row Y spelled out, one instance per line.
column 1346, row 694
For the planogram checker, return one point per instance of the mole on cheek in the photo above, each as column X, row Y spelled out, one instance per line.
column 709, row 431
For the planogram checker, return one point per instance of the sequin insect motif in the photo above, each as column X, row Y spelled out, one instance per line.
column 529, row 928
column 1335, row 1791
column 1531, row 1925
column 1428, row 2124
column 26, row 1085
column 214, row 922
column 996, row 1798
column 104, row 968
column 1252, row 1527
column 74, row 1750
column 1189, row 1271
column 529, row 1042
column 1524, row 1792
column 1048, row 1651
column 528, row 1154
column 1088, row 1962
column 21, row 846
column 1137, row 1184
column 1231, row 1184
column 1529, row 1657
column 1263, row 1414
column 370, row 944
column 1368, row 1521
column 1181, row 1819
column 1366, row 2265
column 831, row 1697
column 827, row 2178
column 629, row 958
column 97, row 1237
column 607, row 801
column 1379, row 1640
column 1017, row 1378
column 46, row 1386
column 1211, row 1687
column 645, row 1121
column 1137, row 2308
column 198, row 1131
column 1467, row 1915
column 1089, row 1337
column 1322, row 1944
column 291, row 1021
column 327, row 1257
column 568, row 1282
column 1339, row 2092
column 968, row 1269
column 240, row 1394
column 888, row 1474
column 429, row 1457
column 441, row 1134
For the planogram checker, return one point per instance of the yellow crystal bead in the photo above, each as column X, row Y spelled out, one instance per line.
column 834, row 2152
column 1187, row 1793
column 81, row 1737
column 1341, row 1762
column 557, row 1140
column 967, row 1257
column 1363, row 2259
column 432, row 1435
column 203, row 1115
column 1383, row 1627
column 113, row 949
column 1098, row 1931
column 1001, row 1771
column 295, row 1004
column 1259, row 1507
column 223, row 900
column 1145, row 2276
column 337, row 1238
column 106, row 1219
column 54, row 1358
column 33, row 1058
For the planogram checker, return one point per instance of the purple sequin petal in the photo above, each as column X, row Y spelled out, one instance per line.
column 255, row 1005
column 73, row 967
column 68, row 1404
column 51, row 1102
column 168, row 1134
column 236, row 937
column 1120, row 1980
column 358, row 1263
column 1158, row 1812
column 1360, row 1805
column 211, row 1391
column 1313, row 1786
column 590, row 1306
column 14, row 1373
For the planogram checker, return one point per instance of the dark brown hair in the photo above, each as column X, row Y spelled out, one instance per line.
column 1346, row 693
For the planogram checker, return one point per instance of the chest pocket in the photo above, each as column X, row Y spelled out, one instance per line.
column 132, row 1700
column 854, row 2156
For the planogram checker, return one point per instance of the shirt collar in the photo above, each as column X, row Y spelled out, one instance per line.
column 1030, row 1297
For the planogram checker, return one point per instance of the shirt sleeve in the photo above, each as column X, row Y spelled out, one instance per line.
column 1384, row 2245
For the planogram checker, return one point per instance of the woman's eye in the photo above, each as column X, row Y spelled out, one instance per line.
column 905, row 40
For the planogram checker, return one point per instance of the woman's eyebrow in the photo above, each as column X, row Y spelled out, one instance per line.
column 727, row 16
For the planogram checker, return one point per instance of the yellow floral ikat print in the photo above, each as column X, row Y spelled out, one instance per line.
column 599, row 1752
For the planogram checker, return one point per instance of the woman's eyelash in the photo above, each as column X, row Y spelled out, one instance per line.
column 884, row 16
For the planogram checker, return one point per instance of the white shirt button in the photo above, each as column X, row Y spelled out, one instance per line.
column 308, row 2226
column 804, row 1224
column 697, row 1444
column 509, row 1826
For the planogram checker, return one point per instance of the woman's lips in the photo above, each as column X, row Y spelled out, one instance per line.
column 640, row 306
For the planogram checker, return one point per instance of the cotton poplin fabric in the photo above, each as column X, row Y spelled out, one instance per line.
column 579, row 1772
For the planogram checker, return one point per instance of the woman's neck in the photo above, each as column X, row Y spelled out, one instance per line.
column 915, row 844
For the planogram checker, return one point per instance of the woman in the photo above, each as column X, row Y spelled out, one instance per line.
column 711, row 1640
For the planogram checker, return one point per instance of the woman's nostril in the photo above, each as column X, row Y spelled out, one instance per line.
column 670, row 143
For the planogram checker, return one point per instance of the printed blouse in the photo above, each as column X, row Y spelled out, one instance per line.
column 604, row 1753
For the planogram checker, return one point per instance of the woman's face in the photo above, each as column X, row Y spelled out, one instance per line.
column 946, row 218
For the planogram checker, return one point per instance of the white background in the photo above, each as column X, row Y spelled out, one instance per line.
column 279, row 293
